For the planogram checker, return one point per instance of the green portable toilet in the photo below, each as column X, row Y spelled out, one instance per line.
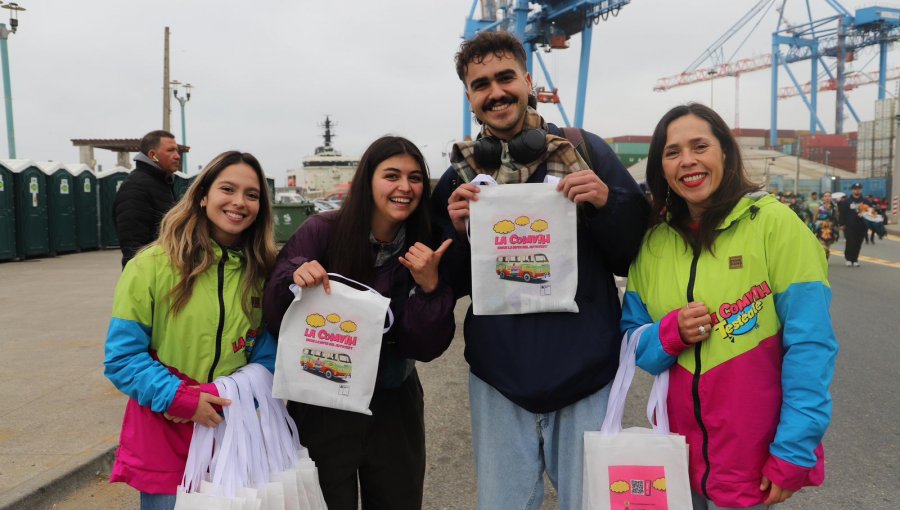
column 109, row 183
column 87, row 221
column 182, row 182
column 287, row 218
column 7, row 215
column 60, row 207
column 32, row 229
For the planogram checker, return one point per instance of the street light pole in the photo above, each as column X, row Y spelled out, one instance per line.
column 182, row 100
column 7, row 88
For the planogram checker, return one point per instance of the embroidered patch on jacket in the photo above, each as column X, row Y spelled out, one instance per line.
column 736, row 262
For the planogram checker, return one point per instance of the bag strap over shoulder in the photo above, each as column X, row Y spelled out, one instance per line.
column 576, row 137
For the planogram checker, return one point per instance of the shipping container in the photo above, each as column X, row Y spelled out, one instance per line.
column 824, row 141
column 884, row 128
column 631, row 139
column 631, row 148
column 751, row 132
column 752, row 142
column 885, row 108
column 867, row 130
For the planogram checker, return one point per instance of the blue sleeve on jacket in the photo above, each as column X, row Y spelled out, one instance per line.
column 264, row 351
column 650, row 353
column 129, row 366
column 810, row 350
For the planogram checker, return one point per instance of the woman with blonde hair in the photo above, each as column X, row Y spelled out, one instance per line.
column 187, row 310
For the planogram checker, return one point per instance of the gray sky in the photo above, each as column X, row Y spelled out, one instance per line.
column 267, row 71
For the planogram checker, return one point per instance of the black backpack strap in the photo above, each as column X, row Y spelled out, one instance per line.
column 576, row 137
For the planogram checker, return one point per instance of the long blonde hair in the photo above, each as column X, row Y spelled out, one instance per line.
column 185, row 235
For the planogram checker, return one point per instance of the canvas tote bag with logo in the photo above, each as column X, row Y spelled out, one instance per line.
column 635, row 468
column 524, row 249
column 329, row 345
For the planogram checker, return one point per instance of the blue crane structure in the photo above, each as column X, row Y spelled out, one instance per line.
column 836, row 37
column 543, row 25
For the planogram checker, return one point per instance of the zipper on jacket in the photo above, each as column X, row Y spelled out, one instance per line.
column 221, row 328
column 695, row 386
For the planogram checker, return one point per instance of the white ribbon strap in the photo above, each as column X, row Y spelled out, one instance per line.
column 479, row 180
column 298, row 292
column 615, row 408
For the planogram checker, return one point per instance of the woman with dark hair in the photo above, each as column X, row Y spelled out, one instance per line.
column 734, row 287
column 381, row 237
column 187, row 311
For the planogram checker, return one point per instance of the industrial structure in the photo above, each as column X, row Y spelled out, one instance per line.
column 327, row 171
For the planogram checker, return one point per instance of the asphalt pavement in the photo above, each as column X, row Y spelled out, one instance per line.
column 60, row 418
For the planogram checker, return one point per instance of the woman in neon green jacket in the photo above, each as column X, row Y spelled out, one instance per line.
column 186, row 311
column 734, row 286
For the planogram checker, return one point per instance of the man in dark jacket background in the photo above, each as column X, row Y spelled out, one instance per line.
column 537, row 381
column 852, row 224
column 147, row 194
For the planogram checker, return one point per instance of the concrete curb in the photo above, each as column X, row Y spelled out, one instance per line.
column 55, row 484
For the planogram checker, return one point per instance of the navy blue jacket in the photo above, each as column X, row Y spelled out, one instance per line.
column 546, row 361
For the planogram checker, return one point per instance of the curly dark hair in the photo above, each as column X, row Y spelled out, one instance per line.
column 498, row 44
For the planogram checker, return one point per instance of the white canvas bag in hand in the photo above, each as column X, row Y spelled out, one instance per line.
column 329, row 346
column 635, row 468
column 524, row 247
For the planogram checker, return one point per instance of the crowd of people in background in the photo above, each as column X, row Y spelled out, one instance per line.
column 822, row 215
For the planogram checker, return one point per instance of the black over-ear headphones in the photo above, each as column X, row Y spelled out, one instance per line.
column 525, row 148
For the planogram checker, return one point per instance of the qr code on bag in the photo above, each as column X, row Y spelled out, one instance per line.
column 640, row 487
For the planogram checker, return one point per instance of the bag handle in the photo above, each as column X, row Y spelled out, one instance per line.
column 615, row 408
column 479, row 180
column 298, row 291
column 656, row 404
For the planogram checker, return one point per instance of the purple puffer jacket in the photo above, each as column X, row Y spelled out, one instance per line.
column 423, row 323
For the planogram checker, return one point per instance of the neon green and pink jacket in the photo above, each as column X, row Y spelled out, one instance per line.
column 753, row 399
column 159, row 359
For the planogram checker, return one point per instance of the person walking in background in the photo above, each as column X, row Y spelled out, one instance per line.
column 827, row 224
column 813, row 204
column 187, row 311
column 146, row 195
column 852, row 224
column 741, row 322
column 525, row 420
column 381, row 237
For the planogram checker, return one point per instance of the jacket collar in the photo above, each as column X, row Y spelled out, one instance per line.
column 152, row 169
column 748, row 205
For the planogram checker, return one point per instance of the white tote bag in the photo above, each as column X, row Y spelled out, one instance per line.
column 524, row 249
column 635, row 468
column 329, row 346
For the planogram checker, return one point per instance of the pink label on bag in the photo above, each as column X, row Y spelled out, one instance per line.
column 637, row 488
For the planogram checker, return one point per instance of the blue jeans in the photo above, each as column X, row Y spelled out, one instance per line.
column 513, row 448
column 701, row 503
column 157, row 501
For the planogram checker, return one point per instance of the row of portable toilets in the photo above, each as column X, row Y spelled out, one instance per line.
column 49, row 208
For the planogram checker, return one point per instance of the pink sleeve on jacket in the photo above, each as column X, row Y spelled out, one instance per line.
column 669, row 335
column 793, row 477
column 185, row 402
column 187, row 398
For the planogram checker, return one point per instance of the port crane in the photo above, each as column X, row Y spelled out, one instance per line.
column 838, row 37
column 543, row 25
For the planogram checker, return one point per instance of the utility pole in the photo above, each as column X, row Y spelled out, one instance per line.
column 166, row 125
column 7, row 88
column 182, row 100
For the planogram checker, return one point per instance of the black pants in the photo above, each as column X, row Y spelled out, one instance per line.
column 854, row 239
column 385, row 451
